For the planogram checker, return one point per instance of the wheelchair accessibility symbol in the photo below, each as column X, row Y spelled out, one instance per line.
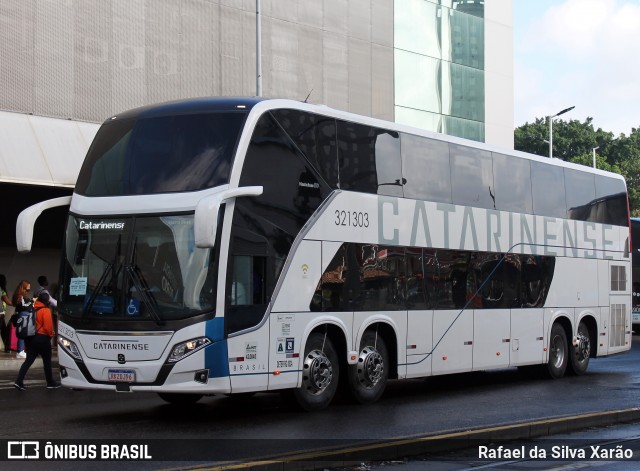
column 133, row 308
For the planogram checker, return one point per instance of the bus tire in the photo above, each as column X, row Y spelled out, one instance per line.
column 320, row 373
column 180, row 399
column 558, row 352
column 368, row 377
column 581, row 352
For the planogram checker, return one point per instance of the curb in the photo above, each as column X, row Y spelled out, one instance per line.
column 403, row 447
column 9, row 362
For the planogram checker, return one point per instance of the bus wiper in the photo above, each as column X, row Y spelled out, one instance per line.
column 102, row 279
column 143, row 288
column 98, row 288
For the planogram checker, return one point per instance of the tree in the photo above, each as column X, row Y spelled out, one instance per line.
column 574, row 141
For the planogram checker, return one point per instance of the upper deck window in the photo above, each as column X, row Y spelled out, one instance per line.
column 161, row 154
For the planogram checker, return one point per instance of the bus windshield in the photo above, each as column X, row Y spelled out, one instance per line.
column 135, row 156
column 138, row 268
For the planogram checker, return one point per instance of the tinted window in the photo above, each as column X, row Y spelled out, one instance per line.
column 612, row 201
column 315, row 137
column 292, row 188
column 548, row 190
column 581, row 195
column 495, row 281
column 331, row 292
column 265, row 226
column 364, row 277
column 160, row 155
column 513, row 184
column 452, row 280
column 472, row 177
column 256, row 255
column 425, row 167
column 381, row 271
column 537, row 273
column 369, row 159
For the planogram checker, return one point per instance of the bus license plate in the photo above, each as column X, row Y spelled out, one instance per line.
column 122, row 376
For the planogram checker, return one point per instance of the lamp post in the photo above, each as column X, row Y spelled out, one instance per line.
column 551, row 129
column 258, row 51
column 594, row 155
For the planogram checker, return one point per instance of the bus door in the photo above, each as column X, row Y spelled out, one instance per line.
column 246, row 303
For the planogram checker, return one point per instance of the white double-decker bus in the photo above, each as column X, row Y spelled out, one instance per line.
column 221, row 246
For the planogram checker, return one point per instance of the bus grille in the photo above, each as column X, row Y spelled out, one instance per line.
column 617, row 325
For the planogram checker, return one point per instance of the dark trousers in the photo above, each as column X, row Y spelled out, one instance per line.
column 37, row 345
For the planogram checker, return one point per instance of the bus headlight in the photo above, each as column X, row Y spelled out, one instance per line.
column 184, row 349
column 70, row 347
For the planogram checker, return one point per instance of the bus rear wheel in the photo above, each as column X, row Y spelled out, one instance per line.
column 581, row 352
column 179, row 399
column 368, row 377
column 320, row 373
column 558, row 352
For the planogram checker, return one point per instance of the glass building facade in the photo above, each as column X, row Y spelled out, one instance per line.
column 439, row 72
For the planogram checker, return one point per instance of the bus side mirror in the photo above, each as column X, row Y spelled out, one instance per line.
column 27, row 220
column 206, row 217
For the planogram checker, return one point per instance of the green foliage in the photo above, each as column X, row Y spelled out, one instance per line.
column 574, row 141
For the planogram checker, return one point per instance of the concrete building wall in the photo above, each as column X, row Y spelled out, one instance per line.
column 89, row 59
column 499, row 101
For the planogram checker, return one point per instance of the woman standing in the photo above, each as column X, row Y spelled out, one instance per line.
column 39, row 344
column 22, row 302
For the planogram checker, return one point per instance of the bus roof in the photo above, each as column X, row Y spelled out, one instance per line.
column 260, row 105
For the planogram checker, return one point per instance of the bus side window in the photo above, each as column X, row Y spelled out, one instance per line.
column 247, row 284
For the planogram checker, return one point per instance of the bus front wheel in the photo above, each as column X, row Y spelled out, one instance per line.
column 558, row 352
column 368, row 377
column 180, row 399
column 320, row 373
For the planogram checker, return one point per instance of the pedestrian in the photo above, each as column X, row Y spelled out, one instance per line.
column 22, row 301
column 5, row 327
column 39, row 344
column 44, row 288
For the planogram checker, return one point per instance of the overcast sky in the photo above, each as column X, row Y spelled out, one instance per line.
column 578, row 52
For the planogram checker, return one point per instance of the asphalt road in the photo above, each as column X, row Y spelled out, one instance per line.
column 269, row 423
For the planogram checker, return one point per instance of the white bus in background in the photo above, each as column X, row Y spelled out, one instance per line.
column 635, row 274
column 221, row 246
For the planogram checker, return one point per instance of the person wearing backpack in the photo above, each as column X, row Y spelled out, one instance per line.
column 39, row 344
column 22, row 302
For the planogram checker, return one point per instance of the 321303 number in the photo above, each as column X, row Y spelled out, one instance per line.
column 351, row 218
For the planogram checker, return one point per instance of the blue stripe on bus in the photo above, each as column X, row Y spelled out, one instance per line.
column 216, row 357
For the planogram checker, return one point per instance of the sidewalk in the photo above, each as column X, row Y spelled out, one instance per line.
column 9, row 362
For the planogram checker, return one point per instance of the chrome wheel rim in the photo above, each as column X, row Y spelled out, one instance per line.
column 583, row 347
column 317, row 373
column 370, row 367
column 557, row 352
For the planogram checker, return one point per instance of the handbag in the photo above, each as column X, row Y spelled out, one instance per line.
column 13, row 342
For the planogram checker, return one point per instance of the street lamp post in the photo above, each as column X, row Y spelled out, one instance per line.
column 258, row 51
column 594, row 155
column 551, row 129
